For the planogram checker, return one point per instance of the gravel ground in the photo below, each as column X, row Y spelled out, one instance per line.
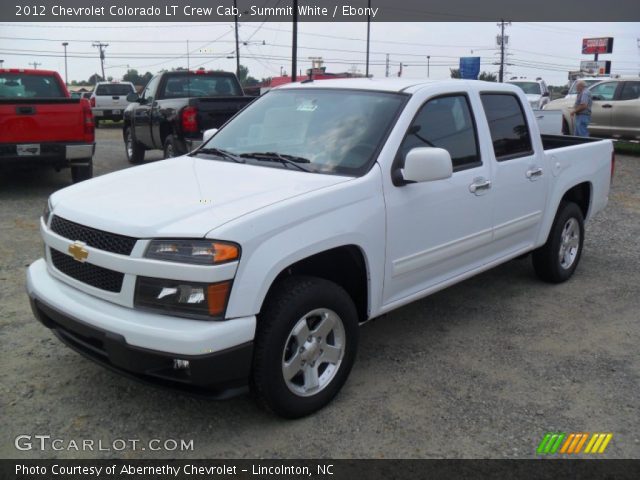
column 482, row 369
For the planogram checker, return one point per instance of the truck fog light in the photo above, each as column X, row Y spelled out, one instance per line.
column 186, row 299
column 179, row 364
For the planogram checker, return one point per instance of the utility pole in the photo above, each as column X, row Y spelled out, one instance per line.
column 235, row 6
column 502, row 42
column 35, row 65
column 294, row 43
column 428, row 58
column 368, row 36
column 101, row 47
column 386, row 68
column 66, row 78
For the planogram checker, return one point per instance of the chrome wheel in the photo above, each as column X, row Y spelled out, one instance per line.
column 168, row 152
column 569, row 243
column 313, row 352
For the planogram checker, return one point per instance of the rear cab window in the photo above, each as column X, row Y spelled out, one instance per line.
column 25, row 85
column 114, row 89
column 508, row 125
column 200, row 85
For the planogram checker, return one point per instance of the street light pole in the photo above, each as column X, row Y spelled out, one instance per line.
column 66, row 79
column 428, row 58
column 235, row 5
column 368, row 36
column 294, row 43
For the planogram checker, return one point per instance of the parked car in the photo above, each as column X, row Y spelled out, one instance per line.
column 615, row 111
column 175, row 108
column 41, row 124
column 322, row 205
column 109, row 100
column 572, row 93
column 536, row 91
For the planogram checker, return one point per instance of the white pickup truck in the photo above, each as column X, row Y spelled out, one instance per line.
column 252, row 261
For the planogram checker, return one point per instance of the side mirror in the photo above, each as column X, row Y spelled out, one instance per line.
column 545, row 94
column 133, row 97
column 208, row 134
column 427, row 164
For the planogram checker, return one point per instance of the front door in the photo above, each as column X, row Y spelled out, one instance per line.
column 441, row 229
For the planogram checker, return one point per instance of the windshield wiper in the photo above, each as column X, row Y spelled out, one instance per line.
column 283, row 158
column 221, row 153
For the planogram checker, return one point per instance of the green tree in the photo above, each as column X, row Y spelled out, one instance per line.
column 132, row 76
column 488, row 77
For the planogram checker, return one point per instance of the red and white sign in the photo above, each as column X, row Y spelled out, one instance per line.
column 597, row 45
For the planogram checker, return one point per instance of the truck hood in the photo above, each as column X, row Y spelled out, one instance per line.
column 181, row 197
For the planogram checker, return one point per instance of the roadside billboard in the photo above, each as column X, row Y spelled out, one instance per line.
column 597, row 45
column 601, row 67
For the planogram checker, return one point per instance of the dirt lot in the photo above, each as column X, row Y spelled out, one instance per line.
column 483, row 369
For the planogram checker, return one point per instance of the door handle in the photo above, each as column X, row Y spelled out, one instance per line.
column 607, row 105
column 534, row 173
column 479, row 185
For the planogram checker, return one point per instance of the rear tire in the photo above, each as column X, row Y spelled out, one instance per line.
column 171, row 148
column 80, row 173
column 557, row 260
column 133, row 149
column 306, row 342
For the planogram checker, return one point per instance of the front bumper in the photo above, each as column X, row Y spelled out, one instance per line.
column 144, row 345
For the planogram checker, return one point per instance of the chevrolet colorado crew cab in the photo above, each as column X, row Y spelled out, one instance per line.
column 41, row 124
column 252, row 261
column 175, row 108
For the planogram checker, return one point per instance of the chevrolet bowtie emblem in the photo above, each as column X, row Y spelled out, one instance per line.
column 78, row 252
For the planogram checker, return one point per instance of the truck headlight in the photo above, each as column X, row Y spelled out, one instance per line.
column 206, row 301
column 201, row 252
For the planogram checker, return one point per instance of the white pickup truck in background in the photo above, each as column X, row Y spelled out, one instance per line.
column 252, row 261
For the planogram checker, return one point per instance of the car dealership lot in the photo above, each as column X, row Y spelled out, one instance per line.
column 483, row 369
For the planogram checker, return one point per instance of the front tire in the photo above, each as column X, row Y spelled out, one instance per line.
column 133, row 150
column 557, row 260
column 306, row 341
column 171, row 148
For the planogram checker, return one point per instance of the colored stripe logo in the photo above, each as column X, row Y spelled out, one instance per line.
column 573, row 443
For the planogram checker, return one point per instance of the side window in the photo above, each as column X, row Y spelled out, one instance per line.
column 604, row 91
column 445, row 122
column 508, row 125
column 630, row 91
column 149, row 92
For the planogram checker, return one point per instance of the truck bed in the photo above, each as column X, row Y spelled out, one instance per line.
column 551, row 142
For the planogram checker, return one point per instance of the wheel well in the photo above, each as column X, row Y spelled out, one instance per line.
column 344, row 266
column 581, row 196
column 165, row 131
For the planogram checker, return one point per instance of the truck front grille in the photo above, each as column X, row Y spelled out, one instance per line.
column 93, row 275
column 110, row 242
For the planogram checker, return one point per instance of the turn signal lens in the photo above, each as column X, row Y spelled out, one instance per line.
column 201, row 252
column 217, row 295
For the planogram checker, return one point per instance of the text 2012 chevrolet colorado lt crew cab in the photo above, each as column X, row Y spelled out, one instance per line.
column 253, row 260
column 41, row 124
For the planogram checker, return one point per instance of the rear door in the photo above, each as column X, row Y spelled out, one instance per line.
column 602, row 96
column 625, row 111
column 438, row 230
column 520, row 178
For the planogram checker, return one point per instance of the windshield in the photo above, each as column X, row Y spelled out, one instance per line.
column 199, row 85
column 573, row 91
column 530, row 88
column 24, row 85
column 330, row 131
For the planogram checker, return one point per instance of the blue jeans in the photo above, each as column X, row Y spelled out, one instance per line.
column 581, row 122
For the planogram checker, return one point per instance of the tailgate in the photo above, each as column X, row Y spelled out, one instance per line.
column 213, row 112
column 41, row 120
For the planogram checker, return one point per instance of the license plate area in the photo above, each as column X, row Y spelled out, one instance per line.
column 28, row 149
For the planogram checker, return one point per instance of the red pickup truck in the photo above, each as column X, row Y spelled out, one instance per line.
column 41, row 124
